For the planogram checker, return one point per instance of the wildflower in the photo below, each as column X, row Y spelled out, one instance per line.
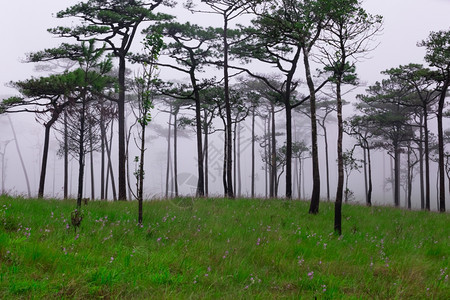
column 324, row 246
column 311, row 275
column 258, row 241
column 112, row 259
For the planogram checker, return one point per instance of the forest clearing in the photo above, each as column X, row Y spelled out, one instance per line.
column 220, row 248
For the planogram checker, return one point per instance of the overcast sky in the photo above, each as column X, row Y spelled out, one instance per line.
column 23, row 25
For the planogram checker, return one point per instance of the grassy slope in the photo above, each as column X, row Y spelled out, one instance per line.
column 220, row 248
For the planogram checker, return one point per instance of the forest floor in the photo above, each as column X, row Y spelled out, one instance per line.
column 218, row 248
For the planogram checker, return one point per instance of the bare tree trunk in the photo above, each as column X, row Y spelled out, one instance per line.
column 205, row 153
column 327, row 163
column 253, row 155
column 397, row 176
column 369, row 191
column 365, row 171
column 21, row 158
column 315, row 196
column 274, row 157
column 239, row 181
column 81, row 154
column 92, row 164
column 66, row 157
column 110, row 169
column 230, row 190
column 175, row 158
column 427, row 160
column 338, row 204
column 441, row 144
column 168, row 153
column 421, row 159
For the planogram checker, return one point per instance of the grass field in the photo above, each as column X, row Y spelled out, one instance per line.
column 217, row 248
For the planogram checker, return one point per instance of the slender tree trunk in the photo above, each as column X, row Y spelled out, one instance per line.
column 235, row 155
column 239, row 181
column 110, row 169
column 92, row 163
column 365, row 171
column 274, row 157
column 230, row 191
column 224, row 171
column 315, row 196
column 253, row 155
column 81, row 153
column 410, row 172
column 288, row 112
column 266, row 154
column 175, row 156
column 102, row 166
column 48, row 126
column 327, row 163
column 168, row 154
column 21, row 158
column 140, row 192
column 339, row 191
column 202, row 181
column 205, row 153
column 397, row 176
column 421, row 159
column 427, row 160
column 121, row 142
column 66, row 157
column 369, row 191
column 441, row 144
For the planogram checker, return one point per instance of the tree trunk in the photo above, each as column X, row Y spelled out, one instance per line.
column 340, row 183
column 110, row 169
column 92, row 163
column 168, row 154
column 427, row 160
column 48, row 126
column 327, row 163
column 175, row 157
column 273, row 177
column 81, row 153
column 21, row 158
column 239, row 181
column 441, row 144
column 421, row 158
column 397, row 176
column 224, row 171
column 66, row 157
column 121, row 142
column 365, row 171
column 229, row 169
column 253, row 155
column 369, row 191
column 315, row 196
column 205, row 162
column 202, row 181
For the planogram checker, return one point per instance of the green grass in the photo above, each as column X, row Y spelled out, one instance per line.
column 229, row 249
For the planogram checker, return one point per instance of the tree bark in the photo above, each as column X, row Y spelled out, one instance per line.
column 339, row 191
column 20, row 157
column 168, row 154
column 229, row 169
column 121, row 142
column 315, row 196
column 253, row 155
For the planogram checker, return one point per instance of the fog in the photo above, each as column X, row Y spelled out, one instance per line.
column 23, row 29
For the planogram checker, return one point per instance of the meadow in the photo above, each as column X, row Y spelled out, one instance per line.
column 219, row 248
